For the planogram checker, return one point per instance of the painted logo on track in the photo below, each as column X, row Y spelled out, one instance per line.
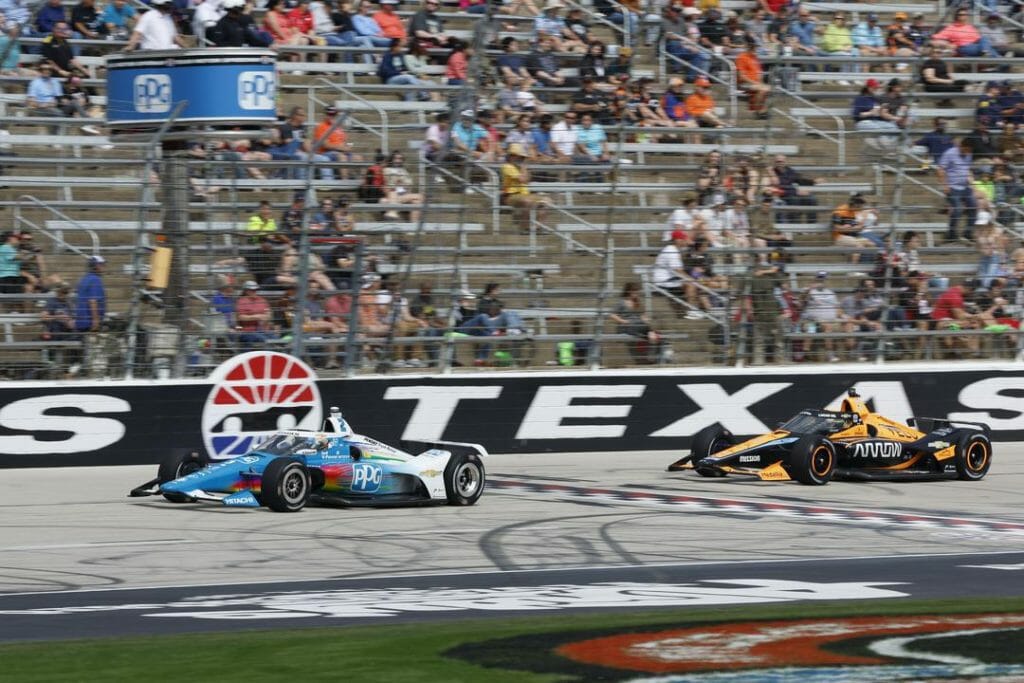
column 256, row 394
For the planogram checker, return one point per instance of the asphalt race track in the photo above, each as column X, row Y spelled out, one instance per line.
column 552, row 532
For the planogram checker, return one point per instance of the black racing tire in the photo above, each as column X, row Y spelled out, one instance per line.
column 464, row 479
column 973, row 457
column 706, row 442
column 179, row 465
column 812, row 460
column 285, row 485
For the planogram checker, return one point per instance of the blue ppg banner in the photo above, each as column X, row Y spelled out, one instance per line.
column 222, row 85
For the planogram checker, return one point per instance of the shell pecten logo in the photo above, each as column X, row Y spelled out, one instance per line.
column 254, row 395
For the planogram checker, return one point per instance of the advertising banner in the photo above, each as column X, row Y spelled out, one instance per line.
column 255, row 394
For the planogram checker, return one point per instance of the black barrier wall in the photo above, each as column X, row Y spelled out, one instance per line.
column 111, row 424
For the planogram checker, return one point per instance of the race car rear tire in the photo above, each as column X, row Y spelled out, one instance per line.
column 178, row 465
column 285, row 485
column 812, row 461
column 706, row 442
column 464, row 479
column 973, row 457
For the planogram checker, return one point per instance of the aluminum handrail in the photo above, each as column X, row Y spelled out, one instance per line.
column 383, row 134
column 602, row 19
column 63, row 216
column 664, row 56
column 840, row 139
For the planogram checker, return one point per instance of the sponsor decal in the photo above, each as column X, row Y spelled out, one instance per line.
column 152, row 93
column 386, row 602
column 366, row 478
column 750, row 458
column 430, row 473
column 938, row 445
column 876, row 449
column 256, row 90
column 857, row 649
column 241, row 499
column 254, row 395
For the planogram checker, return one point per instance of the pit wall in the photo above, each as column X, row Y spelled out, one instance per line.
column 118, row 423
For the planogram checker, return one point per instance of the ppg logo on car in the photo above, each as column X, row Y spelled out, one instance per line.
column 152, row 93
column 366, row 478
column 256, row 90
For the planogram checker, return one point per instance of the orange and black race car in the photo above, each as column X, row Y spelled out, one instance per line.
column 850, row 443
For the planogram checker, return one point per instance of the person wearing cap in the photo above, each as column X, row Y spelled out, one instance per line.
column 991, row 243
column 333, row 140
column 118, row 18
column 156, row 29
column 850, row 230
column 252, row 317
column 515, row 188
column 963, row 38
column 682, row 40
column 468, row 137
column 236, row 28
column 867, row 37
column 91, row 297
column 750, row 78
column 44, row 93
column 390, row 23
column 898, row 41
column 548, row 23
column 821, row 312
column 870, row 116
column 57, row 317
column 701, row 105
column 950, row 312
column 668, row 273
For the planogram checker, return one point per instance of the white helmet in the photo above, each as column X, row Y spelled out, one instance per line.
column 233, row 4
column 159, row 3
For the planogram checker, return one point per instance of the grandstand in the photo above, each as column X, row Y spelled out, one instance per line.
column 593, row 228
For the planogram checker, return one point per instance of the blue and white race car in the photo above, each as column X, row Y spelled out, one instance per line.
column 334, row 466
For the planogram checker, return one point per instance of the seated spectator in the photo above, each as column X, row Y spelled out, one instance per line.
column 252, row 317
column 544, row 65
column 804, row 30
column 544, row 150
column 118, row 19
column 620, row 69
column 593, row 63
column 564, row 135
column 683, row 40
column 549, row 24
column 435, row 142
column 790, row 186
column 850, row 229
column 515, row 99
column 712, row 31
column 952, row 312
column 236, row 28
column 750, row 77
column 822, row 313
column 301, row 19
column 333, row 140
column 341, row 263
column 685, row 219
column 12, row 281
column 290, row 268
column 1011, row 103
column 468, row 137
column 278, row 23
column 629, row 318
column 394, row 70
column 743, row 181
column 997, row 37
column 937, row 141
column 515, row 190
column 987, row 111
column 85, row 21
column 709, row 179
column 521, row 8
column 963, row 38
column 426, row 28
column 57, row 52
column 261, row 262
column 699, row 290
column 736, row 36
column 397, row 187
column 315, row 320
column 864, row 309
column 366, row 27
column 262, row 224
column 390, row 23
column 457, row 66
column 868, row 38
column 205, row 16
column 591, row 142
column 837, row 40
column 936, row 77
column 49, row 15
column 522, row 135
column 590, row 100
column 674, row 106
column 991, row 242
column 870, row 115
column 701, row 105
column 44, row 95
column 918, row 32
column 898, row 39
column 326, row 30
column 577, row 24
column 58, row 317
column 668, row 273
column 512, row 64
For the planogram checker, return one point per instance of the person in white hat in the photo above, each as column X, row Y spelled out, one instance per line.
column 549, row 23
column 515, row 190
column 156, row 29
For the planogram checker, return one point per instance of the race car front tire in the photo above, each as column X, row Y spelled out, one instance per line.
column 285, row 485
column 178, row 465
column 973, row 457
column 706, row 442
column 812, row 461
column 464, row 479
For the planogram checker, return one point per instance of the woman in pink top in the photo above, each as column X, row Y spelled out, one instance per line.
column 965, row 40
column 279, row 25
column 458, row 63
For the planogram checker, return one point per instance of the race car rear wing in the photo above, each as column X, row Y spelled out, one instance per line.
column 930, row 424
column 452, row 446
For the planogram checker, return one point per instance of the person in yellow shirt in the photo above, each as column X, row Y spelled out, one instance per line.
column 515, row 188
column 262, row 223
column 702, row 106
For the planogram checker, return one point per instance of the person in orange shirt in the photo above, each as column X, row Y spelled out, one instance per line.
column 390, row 23
column 702, row 106
column 750, row 77
column 335, row 145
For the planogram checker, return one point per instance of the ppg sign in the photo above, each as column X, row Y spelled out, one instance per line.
column 152, row 93
column 366, row 478
column 256, row 90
